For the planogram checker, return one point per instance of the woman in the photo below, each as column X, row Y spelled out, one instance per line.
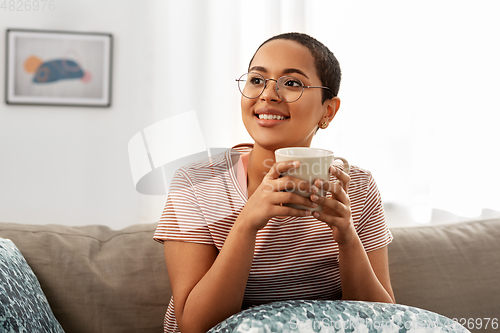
column 229, row 241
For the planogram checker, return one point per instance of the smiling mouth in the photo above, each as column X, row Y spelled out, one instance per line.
column 271, row 116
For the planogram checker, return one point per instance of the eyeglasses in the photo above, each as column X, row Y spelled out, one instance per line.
column 288, row 88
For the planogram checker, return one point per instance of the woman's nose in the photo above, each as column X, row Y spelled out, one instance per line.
column 270, row 92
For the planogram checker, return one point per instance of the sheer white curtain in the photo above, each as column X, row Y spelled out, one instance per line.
column 419, row 88
column 421, row 80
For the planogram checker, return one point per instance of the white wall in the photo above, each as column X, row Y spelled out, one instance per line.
column 70, row 165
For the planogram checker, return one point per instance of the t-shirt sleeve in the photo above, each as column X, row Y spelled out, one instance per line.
column 182, row 218
column 372, row 228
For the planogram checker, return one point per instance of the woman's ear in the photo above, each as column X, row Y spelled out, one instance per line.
column 332, row 107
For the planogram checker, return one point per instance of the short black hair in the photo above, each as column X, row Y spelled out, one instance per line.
column 327, row 66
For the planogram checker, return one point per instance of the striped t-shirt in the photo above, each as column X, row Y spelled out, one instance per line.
column 294, row 258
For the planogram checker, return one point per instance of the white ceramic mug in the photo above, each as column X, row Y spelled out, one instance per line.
column 314, row 163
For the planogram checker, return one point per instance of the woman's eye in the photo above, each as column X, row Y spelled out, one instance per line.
column 257, row 81
column 292, row 83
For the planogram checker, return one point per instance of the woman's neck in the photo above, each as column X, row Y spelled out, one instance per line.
column 260, row 162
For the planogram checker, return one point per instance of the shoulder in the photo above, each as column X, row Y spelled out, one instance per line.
column 208, row 167
column 357, row 174
column 360, row 176
column 211, row 166
column 362, row 186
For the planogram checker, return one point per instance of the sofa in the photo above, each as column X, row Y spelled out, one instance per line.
column 97, row 279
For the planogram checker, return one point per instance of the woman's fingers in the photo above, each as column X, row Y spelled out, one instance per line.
column 290, row 211
column 337, row 208
column 343, row 177
column 293, row 198
column 334, row 213
column 335, row 188
column 269, row 182
column 334, row 206
column 276, row 182
column 279, row 167
column 331, row 220
column 290, row 183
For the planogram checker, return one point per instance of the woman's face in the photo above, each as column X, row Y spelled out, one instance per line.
column 275, row 59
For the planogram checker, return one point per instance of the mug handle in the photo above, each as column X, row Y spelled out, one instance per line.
column 346, row 164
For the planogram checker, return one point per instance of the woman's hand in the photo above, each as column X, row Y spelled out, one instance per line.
column 337, row 208
column 268, row 199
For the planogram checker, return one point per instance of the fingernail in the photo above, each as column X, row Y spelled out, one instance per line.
column 316, row 214
column 314, row 197
column 314, row 189
column 296, row 163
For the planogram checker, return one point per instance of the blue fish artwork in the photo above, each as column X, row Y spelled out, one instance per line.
column 55, row 70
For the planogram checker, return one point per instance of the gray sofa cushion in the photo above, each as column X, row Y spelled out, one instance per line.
column 97, row 279
column 453, row 270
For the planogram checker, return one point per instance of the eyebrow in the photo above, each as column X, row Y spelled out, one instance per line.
column 285, row 71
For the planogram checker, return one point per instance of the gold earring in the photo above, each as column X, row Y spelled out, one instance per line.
column 324, row 125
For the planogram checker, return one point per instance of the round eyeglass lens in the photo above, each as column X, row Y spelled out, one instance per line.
column 289, row 88
column 251, row 85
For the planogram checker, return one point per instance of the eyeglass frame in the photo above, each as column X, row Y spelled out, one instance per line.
column 276, row 86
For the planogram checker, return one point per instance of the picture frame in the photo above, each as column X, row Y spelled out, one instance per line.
column 64, row 68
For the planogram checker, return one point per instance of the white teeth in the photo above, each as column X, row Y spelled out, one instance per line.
column 271, row 116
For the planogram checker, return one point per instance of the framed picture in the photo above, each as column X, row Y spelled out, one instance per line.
column 58, row 68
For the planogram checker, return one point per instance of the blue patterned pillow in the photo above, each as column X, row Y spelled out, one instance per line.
column 23, row 305
column 336, row 316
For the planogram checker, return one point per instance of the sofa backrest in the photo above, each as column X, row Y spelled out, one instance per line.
column 97, row 279
column 101, row 280
column 451, row 269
